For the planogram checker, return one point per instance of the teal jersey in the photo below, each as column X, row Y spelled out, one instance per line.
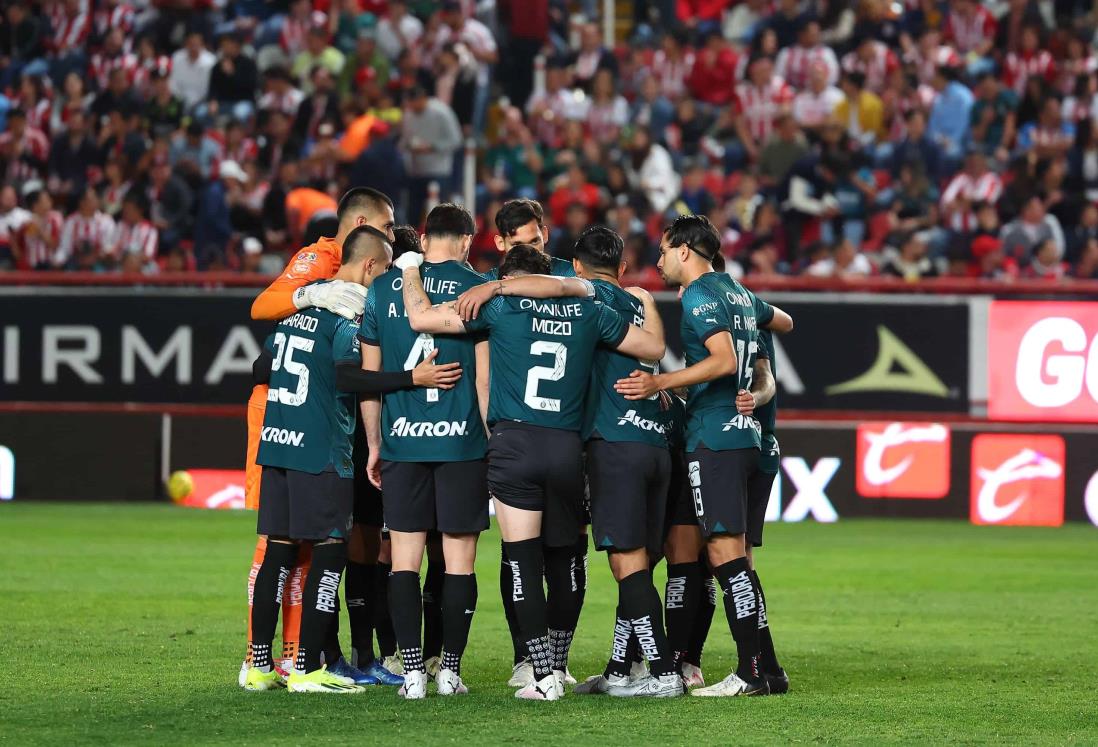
column 425, row 425
column 712, row 304
column 609, row 415
column 542, row 352
column 558, row 267
column 309, row 424
column 767, row 415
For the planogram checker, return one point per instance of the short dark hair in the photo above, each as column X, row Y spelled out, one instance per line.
column 524, row 259
column 856, row 78
column 405, row 239
column 697, row 232
column 514, row 214
column 448, row 220
column 599, row 247
column 362, row 198
column 362, row 241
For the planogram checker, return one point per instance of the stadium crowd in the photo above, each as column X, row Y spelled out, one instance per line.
column 823, row 137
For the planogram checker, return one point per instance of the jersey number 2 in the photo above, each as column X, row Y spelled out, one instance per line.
column 284, row 358
column 545, row 373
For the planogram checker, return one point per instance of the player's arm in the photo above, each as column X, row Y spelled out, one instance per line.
column 653, row 323
column 720, row 362
column 625, row 338
column 781, row 321
column 351, row 377
column 371, row 417
column 530, row 286
column 422, row 316
column 762, row 391
column 483, row 360
column 293, row 290
column 261, row 367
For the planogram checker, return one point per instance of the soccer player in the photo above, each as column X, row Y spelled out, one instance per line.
column 628, row 469
column 293, row 290
column 761, row 403
column 541, row 356
column 427, row 452
column 720, row 341
column 522, row 221
column 307, row 479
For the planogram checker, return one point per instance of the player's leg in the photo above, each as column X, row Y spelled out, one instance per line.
column 321, row 507
column 408, row 498
column 521, row 671
column 270, row 580
column 291, row 606
column 257, row 404
column 758, row 490
column 720, row 497
column 702, row 622
column 461, row 492
column 432, row 604
column 355, row 597
column 383, row 619
column 257, row 561
column 684, row 592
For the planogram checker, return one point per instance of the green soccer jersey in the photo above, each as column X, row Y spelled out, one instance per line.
column 425, row 425
column 309, row 424
column 558, row 267
column 767, row 415
column 609, row 415
column 711, row 304
column 542, row 353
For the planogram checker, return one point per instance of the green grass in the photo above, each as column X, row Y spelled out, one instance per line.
column 125, row 623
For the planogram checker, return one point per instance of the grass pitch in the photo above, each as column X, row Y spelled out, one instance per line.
column 125, row 623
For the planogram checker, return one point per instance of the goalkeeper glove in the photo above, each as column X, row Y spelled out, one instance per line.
column 338, row 296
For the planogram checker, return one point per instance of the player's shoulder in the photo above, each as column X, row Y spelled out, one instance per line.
column 461, row 271
column 615, row 296
column 702, row 291
column 562, row 268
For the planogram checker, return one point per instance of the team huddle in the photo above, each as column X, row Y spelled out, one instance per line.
column 401, row 392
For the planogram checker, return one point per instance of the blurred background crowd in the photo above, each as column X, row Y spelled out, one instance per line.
column 833, row 138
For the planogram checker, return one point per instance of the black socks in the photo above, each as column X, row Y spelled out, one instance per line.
column 703, row 619
column 321, row 601
column 459, row 601
column 383, row 622
column 270, row 582
column 768, row 659
column 358, row 589
column 407, row 608
column 432, row 608
column 680, row 602
column 509, row 605
column 527, row 594
column 565, row 597
column 741, row 606
column 639, row 604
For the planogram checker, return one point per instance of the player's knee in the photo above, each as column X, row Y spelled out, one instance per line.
column 625, row 563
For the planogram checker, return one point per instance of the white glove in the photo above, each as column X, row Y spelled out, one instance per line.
column 407, row 260
column 337, row 296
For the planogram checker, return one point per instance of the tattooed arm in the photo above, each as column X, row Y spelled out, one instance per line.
column 422, row 316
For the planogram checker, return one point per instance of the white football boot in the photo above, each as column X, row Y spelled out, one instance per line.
column 414, row 687
column 732, row 686
column 449, row 683
column 543, row 689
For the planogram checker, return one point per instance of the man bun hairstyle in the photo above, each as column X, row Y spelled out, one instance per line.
column 524, row 259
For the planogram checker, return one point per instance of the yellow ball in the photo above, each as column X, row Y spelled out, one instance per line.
column 180, row 485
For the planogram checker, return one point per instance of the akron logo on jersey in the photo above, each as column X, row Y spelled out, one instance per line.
column 405, row 428
column 282, row 436
column 1017, row 479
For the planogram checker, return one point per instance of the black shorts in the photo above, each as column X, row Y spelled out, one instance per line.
column 628, row 494
column 367, row 497
column 304, row 506
column 450, row 497
column 718, row 485
column 680, row 503
column 758, row 497
column 540, row 469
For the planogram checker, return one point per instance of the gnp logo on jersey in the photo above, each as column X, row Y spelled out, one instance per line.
column 903, row 460
column 1017, row 479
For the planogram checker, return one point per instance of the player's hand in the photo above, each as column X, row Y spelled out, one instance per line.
column 338, row 296
column 408, row 260
column 428, row 375
column 639, row 293
column 639, row 385
column 468, row 303
column 745, row 402
column 373, row 469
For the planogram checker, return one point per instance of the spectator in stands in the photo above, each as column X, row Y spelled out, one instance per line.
column 950, row 115
column 757, row 101
column 277, row 144
column 72, row 157
column 861, row 111
column 398, row 30
column 1024, row 235
column 1087, row 266
column 592, row 56
column 713, row 74
column 976, row 184
column 318, row 51
column 24, row 150
column 163, row 112
column 651, row 170
column 233, row 81
column 816, row 105
column 512, row 166
column 21, row 44
column 86, row 234
column 12, row 219
column 786, row 146
column 1050, row 135
column 842, row 260
column 41, row 234
column 213, row 226
column 874, row 60
column 652, row 109
column 190, row 73
column 430, row 137
column 795, row 63
column 909, row 261
column 322, row 105
column 993, row 117
column 170, row 205
column 916, row 148
column 135, row 244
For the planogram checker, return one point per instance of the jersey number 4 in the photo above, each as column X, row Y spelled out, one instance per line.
column 545, row 373
column 284, row 359
column 423, row 346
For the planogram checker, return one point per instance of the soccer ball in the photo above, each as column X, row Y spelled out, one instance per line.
column 180, row 485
